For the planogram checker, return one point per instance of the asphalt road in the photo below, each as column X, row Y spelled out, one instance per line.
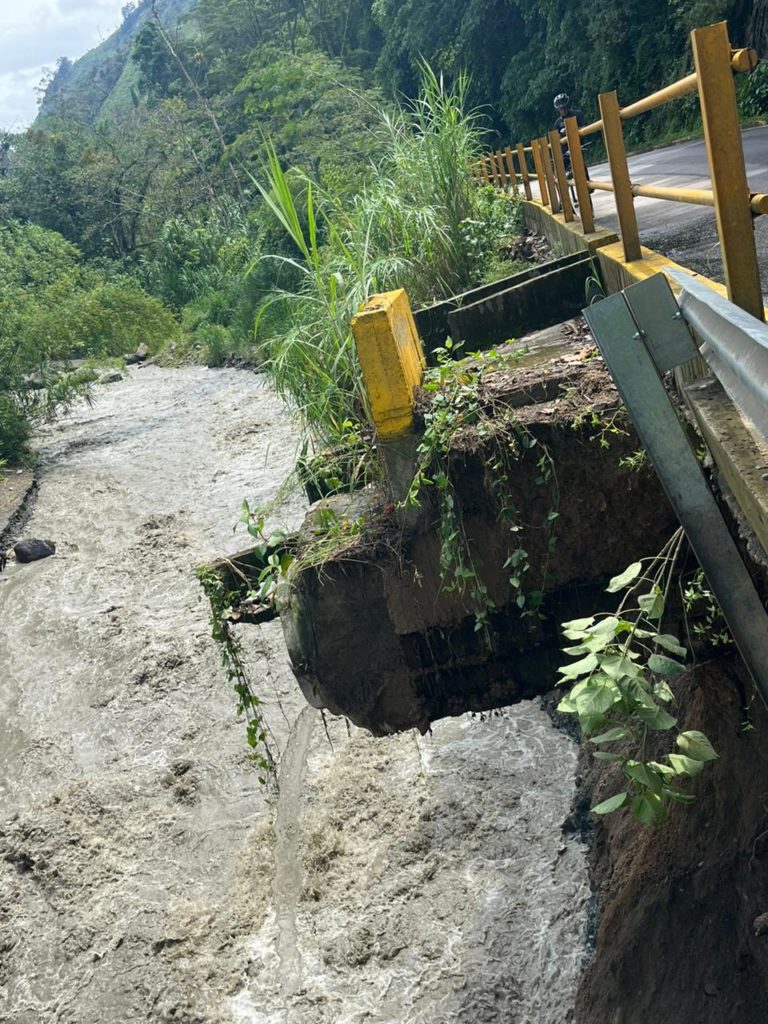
column 683, row 232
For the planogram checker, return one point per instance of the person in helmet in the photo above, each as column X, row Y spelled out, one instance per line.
column 563, row 108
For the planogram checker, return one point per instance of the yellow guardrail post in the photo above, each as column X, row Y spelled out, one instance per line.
column 722, row 136
column 579, row 171
column 511, row 168
column 500, row 167
column 562, row 177
column 549, row 174
column 622, row 186
column 495, row 171
column 538, row 164
column 524, row 170
column 392, row 360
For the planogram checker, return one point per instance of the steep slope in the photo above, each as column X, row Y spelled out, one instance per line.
column 100, row 81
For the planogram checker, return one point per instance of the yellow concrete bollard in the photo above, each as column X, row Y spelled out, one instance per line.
column 392, row 361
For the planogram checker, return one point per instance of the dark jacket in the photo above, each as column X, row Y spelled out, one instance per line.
column 580, row 120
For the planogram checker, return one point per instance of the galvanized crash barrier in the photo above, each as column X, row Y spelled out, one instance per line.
column 642, row 333
column 735, row 346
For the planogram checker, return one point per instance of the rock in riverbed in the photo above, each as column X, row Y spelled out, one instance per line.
column 32, row 549
column 139, row 356
column 112, row 377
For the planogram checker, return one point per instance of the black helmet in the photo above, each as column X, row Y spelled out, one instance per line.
column 562, row 100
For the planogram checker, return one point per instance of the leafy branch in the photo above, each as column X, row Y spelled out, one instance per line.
column 620, row 690
column 231, row 653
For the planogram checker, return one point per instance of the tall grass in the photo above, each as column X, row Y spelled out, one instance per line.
column 415, row 226
column 311, row 360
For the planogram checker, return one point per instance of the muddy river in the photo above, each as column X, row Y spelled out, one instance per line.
column 145, row 874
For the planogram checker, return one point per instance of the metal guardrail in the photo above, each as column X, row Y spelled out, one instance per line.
column 641, row 335
column 735, row 346
column 716, row 63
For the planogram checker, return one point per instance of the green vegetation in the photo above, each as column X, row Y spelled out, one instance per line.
column 233, row 178
column 619, row 689
column 54, row 309
column 230, row 650
column 462, row 409
column 149, row 157
column 421, row 223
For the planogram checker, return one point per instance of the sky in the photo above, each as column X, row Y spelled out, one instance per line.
column 33, row 35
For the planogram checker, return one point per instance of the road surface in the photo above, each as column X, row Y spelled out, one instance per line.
column 683, row 232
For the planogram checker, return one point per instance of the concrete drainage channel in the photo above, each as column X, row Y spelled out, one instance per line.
column 539, row 297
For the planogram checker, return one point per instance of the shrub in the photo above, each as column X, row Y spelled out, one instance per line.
column 109, row 319
column 52, row 309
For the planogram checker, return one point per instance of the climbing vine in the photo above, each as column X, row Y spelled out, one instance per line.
column 620, row 689
column 460, row 406
column 230, row 650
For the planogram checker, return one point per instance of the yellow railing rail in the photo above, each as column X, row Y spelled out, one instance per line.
column 735, row 206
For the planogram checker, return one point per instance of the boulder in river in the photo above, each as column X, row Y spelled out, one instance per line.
column 32, row 549
column 111, row 377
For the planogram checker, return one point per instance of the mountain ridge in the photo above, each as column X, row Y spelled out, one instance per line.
column 102, row 80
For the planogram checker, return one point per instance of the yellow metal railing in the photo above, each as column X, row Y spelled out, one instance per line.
column 735, row 206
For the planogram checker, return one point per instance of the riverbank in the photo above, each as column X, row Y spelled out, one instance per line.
column 17, row 486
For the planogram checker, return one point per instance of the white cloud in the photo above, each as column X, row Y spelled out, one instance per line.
column 34, row 35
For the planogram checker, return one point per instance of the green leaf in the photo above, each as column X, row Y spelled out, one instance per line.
column 696, row 745
column 670, row 643
column 678, row 795
column 596, row 696
column 619, row 666
column 579, row 668
column 620, row 732
column 578, row 649
column 649, row 809
column 656, row 718
column 641, row 772
column 652, row 603
column 577, row 626
column 608, row 625
column 592, row 722
column 606, row 755
column 613, row 803
column 625, row 578
column 685, row 765
column 662, row 691
column 665, row 666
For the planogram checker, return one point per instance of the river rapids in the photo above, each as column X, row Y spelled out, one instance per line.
column 145, row 873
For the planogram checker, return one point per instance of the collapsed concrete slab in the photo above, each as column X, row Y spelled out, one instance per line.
column 375, row 629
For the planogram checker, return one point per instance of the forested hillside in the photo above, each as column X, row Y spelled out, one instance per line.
column 227, row 156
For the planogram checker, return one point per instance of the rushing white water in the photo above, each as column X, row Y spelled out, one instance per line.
column 145, row 875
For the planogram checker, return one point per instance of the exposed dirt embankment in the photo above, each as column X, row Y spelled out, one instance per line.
column 547, row 508
column 683, row 929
